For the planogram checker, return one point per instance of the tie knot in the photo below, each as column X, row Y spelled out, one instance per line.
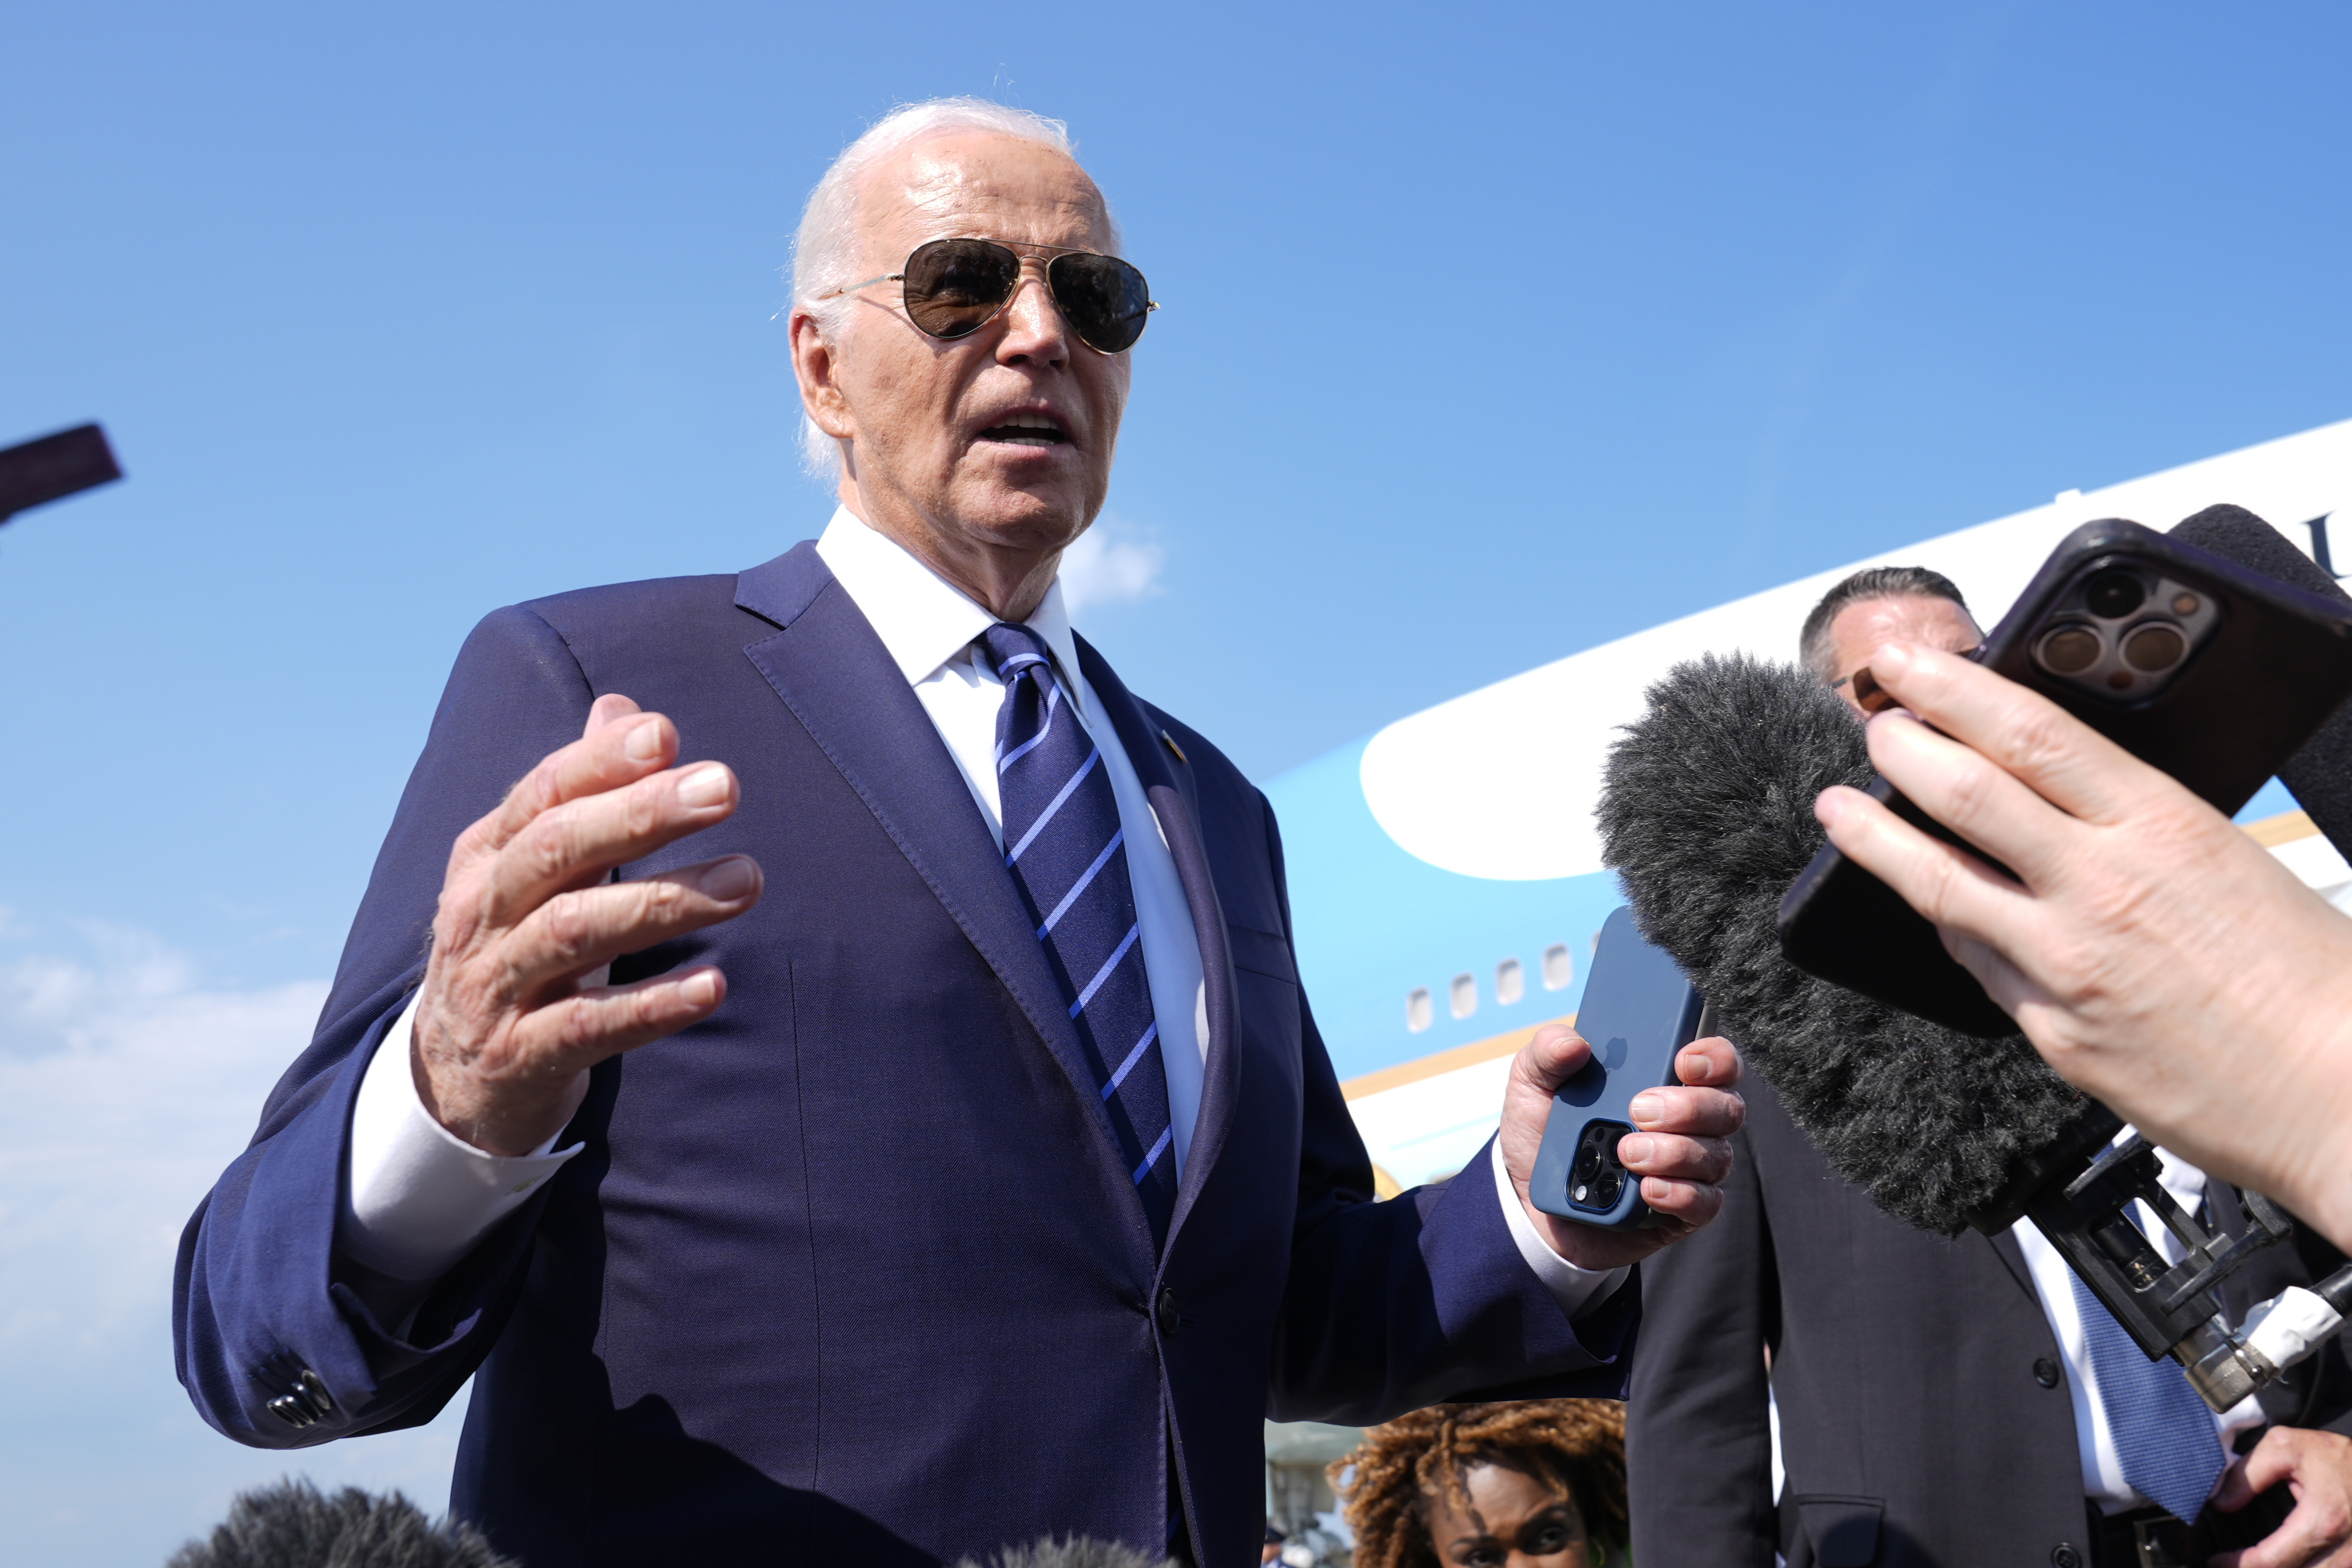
column 1012, row 649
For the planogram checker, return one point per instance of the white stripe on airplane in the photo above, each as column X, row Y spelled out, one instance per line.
column 1501, row 783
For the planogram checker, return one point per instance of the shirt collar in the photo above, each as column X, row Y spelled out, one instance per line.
column 925, row 621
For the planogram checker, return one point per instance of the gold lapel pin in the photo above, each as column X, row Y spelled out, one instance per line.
column 1171, row 742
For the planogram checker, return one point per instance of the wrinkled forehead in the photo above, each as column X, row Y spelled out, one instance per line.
column 1902, row 613
column 979, row 184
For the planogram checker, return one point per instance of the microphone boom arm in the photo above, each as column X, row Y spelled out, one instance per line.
column 2079, row 1197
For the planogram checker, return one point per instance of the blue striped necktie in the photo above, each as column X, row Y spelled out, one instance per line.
column 2163, row 1432
column 1063, row 844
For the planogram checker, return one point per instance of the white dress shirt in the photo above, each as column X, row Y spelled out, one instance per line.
column 2102, row 1471
column 420, row 1197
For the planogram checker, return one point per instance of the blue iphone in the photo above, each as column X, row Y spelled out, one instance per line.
column 1638, row 1012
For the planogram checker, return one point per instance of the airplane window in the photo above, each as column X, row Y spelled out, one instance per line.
column 1558, row 968
column 1511, row 982
column 1464, row 997
column 1418, row 1014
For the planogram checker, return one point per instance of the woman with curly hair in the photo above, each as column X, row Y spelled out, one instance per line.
column 1520, row 1483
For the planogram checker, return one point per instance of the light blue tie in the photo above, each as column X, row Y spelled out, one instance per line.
column 2163, row 1432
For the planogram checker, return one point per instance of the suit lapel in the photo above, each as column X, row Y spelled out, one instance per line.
column 2012, row 1257
column 1174, row 795
column 834, row 674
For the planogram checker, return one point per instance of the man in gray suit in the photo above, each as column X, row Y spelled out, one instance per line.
column 1955, row 1402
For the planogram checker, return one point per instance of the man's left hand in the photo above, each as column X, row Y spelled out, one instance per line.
column 1680, row 1145
column 2317, row 1467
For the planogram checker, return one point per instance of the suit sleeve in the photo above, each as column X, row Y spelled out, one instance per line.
column 1423, row 1298
column 260, row 1297
column 1698, row 1442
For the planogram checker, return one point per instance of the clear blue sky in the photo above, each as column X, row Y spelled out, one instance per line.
column 1492, row 333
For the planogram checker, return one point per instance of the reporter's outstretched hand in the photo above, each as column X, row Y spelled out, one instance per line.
column 506, row 1029
column 2156, row 957
column 1680, row 1145
column 2317, row 1467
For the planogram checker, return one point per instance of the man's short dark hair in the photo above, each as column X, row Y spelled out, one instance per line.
column 1870, row 583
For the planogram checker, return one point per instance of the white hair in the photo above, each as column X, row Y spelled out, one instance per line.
column 825, row 253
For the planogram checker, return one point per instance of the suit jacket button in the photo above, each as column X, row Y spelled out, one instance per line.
column 2064, row 1556
column 2045, row 1372
column 1169, row 1314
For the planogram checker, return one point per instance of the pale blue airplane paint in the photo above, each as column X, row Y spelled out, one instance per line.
column 1372, row 922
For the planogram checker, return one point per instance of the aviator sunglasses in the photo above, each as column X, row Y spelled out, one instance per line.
column 956, row 286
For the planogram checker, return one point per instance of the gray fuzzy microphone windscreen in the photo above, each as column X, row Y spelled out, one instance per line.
column 1706, row 815
column 294, row 1525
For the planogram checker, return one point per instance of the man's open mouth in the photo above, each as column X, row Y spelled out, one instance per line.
column 1027, row 430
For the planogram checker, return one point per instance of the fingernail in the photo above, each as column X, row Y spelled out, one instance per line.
column 730, row 880
column 705, row 786
column 1647, row 1107
column 1634, row 1149
column 700, row 990
column 645, row 741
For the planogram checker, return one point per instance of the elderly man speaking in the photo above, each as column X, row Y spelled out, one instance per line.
column 989, row 1179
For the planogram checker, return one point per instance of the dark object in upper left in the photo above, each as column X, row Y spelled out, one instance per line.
column 54, row 466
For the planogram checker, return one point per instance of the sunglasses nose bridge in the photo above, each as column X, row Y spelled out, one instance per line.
column 1032, row 294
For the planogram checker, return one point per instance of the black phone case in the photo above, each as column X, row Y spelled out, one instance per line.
column 2277, row 665
column 1638, row 1013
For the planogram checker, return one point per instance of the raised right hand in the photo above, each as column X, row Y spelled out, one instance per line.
column 506, row 1029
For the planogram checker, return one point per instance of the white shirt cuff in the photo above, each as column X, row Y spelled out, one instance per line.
column 421, row 1197
column 1576, row 1290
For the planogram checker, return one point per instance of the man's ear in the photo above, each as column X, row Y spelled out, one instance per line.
column 814, row 362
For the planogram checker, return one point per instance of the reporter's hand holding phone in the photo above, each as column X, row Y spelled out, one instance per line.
column 2156, row 955
column 1680, row 1144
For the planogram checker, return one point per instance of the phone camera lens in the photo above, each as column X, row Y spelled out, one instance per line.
column 2154, row 648
column 1588, row 1163
column 1605, row 1190
column 2070, row 649
column 2115, row 594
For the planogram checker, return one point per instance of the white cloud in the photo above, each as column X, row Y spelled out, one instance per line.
column 127, row 1082
column 1113, row 562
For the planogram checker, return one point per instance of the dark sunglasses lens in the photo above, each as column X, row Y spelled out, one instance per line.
column 1105, row 300
column 954, row 286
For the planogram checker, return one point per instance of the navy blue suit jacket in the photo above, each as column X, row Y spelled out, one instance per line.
column 852, row 1272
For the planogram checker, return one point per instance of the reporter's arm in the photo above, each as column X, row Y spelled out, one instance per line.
column 2155, row 956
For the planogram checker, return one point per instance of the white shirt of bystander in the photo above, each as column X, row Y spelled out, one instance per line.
column 2103, row 1470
